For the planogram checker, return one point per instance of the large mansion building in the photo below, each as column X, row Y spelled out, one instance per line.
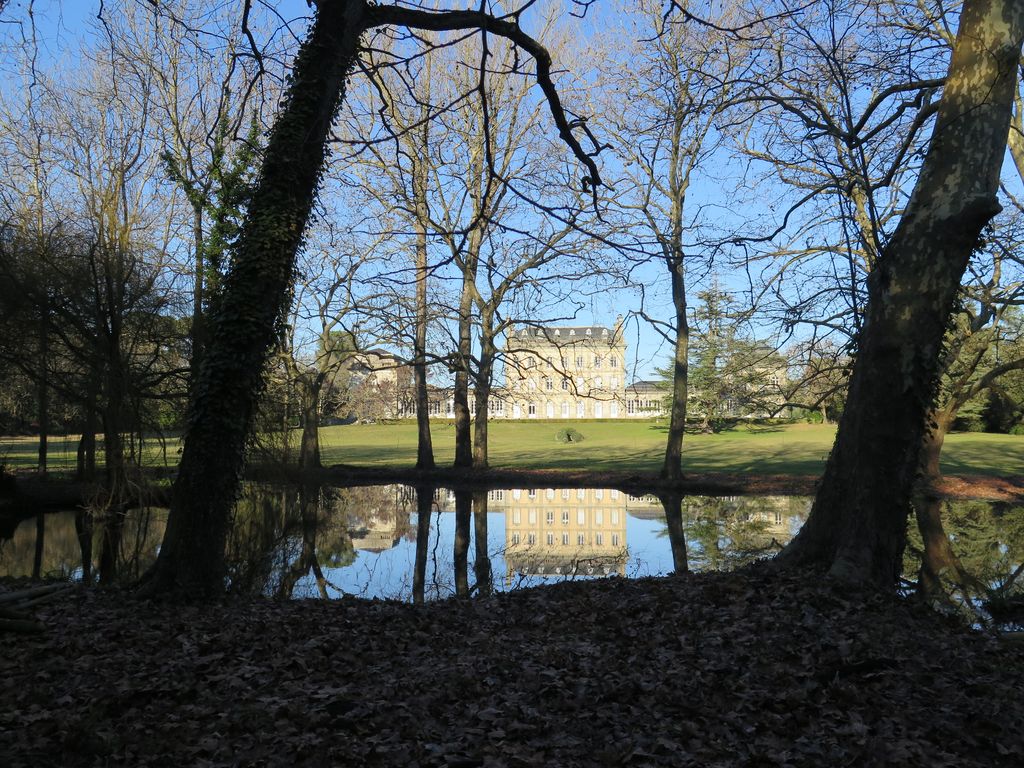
column 570, row 372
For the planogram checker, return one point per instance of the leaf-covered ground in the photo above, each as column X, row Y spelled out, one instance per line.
column 744, row 669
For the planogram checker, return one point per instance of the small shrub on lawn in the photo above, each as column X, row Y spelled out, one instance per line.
column 569, row 436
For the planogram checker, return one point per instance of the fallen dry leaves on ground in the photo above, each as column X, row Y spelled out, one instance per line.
column 742, row 669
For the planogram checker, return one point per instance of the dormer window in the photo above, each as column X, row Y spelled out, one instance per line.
column 557, row 332
column 572, row 331
column 604, row 331
column 590, row 332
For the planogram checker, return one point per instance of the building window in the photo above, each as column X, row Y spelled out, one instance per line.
column 614, row 382
column 580, row 539
column 579, row 361
column 550, row 410
column 532, row 493
column 615, row 517
column 631, row 407
column 531, row 539
column 565, row 385
column 565, row 517
column 549, row 493
column 532, row 385
column 548, row 384
column 581, row 517
column 517, row 517
column 598, row 517
column 581, row 493
column 531, row 409
column 598, row 381
column 614, row 493
column 615, row 539
column 515, row 538
column 613, row 362
column 599, row 539
column 565, row 410
column 565, row 493
column 579, row 410
column 532, row 516
column 549, row 518
column 565, row 539
column 597, row 361
column 614, row 411
column 551, row 539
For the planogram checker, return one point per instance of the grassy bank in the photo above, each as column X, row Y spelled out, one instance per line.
column 795, row 449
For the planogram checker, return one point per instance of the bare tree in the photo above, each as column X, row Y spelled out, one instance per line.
column 857, row 526
column 191, row 560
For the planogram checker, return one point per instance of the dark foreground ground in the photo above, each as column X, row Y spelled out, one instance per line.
column 745, row 669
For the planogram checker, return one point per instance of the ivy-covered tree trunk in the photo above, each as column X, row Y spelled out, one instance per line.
column 254, row 295
column 857, row 525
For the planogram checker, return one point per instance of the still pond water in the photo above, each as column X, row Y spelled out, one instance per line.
column 390, row 541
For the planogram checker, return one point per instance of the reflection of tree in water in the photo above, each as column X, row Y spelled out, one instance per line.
column 281, row 534
column 983, row 565
column 47, row 545
column 728, row 532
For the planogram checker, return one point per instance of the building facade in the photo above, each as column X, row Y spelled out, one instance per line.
column 572, row 372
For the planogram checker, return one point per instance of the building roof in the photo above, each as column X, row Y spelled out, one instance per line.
column 562, row 335
column 644, row 387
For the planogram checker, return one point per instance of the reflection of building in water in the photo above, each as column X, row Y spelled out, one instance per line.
column 378, row 516
column 562, row 531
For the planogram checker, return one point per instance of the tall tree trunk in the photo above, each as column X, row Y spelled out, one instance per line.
column 86, row 455
column 424, row 443
column 37, row 559
column 671, row 468
column 115, row 500
column 460, row 395
column 938, row 423
column 482, row 395
column 197, row 333
column 44, row 386
column 255, row 292
column 857, row 525
column 309, row 449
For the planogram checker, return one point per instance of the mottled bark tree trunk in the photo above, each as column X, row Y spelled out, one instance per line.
column 857, row 525
column 939, row 422
column 242, row 328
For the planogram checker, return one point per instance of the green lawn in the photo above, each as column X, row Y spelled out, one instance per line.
column 798, row 449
